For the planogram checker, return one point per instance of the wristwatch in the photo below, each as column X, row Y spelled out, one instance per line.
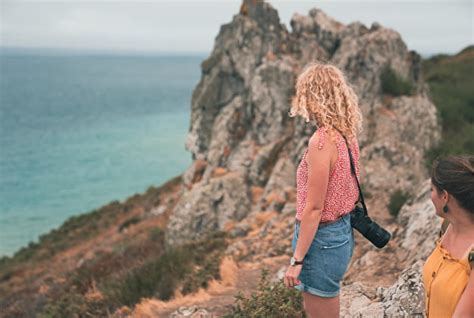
column 294, row 262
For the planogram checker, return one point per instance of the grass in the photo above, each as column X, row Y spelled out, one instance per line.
column 397, row 200
column 137, row 270
column 450, row 80
column 393, row 84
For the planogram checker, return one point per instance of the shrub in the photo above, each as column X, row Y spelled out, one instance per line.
column 190, row 265
column 128, row 222
column 270, row 300
column 393, row 84
column 73, row 304
column 156, row 234
column 136, row 270
column 450, row 80
column 156, row 278
column 397, row 200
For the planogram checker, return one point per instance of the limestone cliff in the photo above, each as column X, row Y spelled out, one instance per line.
column 245, row 146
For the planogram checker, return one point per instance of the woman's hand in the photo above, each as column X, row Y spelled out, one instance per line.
column 291, row 276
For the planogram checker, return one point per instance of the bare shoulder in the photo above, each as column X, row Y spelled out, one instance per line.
column 322, row 140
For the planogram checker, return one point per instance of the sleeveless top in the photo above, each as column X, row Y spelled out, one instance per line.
column 342, row 191
column 444, row 280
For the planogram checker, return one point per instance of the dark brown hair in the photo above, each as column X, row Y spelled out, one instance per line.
column 455, row 174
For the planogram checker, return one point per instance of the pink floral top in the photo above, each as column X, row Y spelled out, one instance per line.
column 342, row 191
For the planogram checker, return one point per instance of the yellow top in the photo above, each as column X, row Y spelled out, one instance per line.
column 444, row 279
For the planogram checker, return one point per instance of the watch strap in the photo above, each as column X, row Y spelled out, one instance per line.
column 297, row 262
column 470, row 257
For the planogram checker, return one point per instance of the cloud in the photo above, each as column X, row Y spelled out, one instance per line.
column 192, row 25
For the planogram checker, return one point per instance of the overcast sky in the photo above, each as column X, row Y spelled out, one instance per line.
column 190, row 26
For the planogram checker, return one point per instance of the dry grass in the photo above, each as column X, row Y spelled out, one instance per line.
column 149, row 308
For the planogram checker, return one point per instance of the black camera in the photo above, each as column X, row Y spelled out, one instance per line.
column 361, row 221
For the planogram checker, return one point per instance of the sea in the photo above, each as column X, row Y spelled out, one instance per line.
column 78, row 130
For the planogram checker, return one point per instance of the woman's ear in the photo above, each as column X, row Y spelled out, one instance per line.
column 445, row 196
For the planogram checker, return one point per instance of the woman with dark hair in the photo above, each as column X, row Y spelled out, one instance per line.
column 447, row 274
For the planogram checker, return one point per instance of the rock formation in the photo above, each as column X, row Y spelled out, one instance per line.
column 246, row 148
column 244, row 145
column 416, row 240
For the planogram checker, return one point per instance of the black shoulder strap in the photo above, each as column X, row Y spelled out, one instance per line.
column 353, row 171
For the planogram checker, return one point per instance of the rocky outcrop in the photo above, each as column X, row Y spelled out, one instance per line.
column 404, row 299
column 416, row 240
column 244, row 145
column 208, row 207
column 419, row 225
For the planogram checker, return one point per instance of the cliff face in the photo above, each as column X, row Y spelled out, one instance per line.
column 415, row 240
column 245, row 146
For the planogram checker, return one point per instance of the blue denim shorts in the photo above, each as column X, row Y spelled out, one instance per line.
column 327, row 259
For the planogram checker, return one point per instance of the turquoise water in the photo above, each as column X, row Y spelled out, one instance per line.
column 80, row 131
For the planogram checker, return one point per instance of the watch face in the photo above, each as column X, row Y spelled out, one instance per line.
column 292, row 261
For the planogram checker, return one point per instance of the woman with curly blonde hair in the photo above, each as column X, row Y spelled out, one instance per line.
column 327, row 191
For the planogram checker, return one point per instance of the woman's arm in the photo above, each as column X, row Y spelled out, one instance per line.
column 465, row 307
column 319, row 160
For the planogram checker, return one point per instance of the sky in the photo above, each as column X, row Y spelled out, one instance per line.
column 428, row 27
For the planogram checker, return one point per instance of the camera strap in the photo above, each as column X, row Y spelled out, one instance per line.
column 353, row 171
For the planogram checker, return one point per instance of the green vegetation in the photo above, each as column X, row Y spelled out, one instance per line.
column 451, row 81
column 74, row 304
column 192, row 265
column 128, row 222
column 270, row 300
column 393, row 84
column 397, row 200
column 139, row 269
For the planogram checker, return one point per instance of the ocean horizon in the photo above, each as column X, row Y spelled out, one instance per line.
column 79, row 131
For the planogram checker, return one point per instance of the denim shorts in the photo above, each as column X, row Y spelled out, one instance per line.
column 327, row 259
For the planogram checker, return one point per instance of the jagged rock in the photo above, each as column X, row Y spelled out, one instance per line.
column 158, row 210
column 404, row 299
column 279, row 186
column 240, row 122
column 209, row 207
column 318, row 35
column 190, row 311
column 240, row 49
column 420, row 226
column 240, row 230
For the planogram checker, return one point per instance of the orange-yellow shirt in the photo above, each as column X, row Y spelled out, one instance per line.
column 444, row 279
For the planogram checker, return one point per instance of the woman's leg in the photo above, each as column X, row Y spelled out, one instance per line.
column 320, row 307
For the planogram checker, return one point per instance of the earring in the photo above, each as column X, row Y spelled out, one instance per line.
column 445, row 208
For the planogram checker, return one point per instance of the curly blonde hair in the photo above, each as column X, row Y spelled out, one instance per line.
column 324, row 96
